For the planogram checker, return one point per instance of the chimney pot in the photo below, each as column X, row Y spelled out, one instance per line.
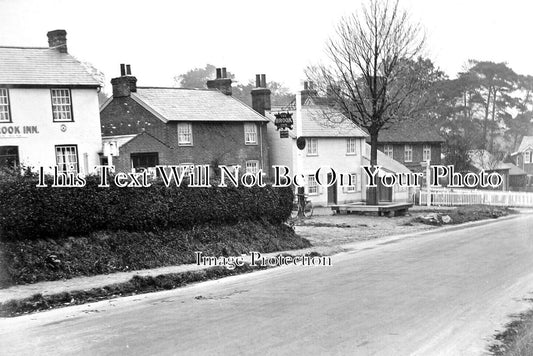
column 221, row 83
column 58, row 39
column 124, row 85
column 261, row 95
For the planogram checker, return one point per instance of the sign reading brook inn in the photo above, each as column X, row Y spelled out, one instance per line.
column 17, row 130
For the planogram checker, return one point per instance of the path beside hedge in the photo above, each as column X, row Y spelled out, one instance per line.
column 99, row 281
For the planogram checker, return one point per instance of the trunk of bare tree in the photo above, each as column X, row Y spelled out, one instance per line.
column 372, row 192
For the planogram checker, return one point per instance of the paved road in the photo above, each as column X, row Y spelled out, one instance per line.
column 440, row 293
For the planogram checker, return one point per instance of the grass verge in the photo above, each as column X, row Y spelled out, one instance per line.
column 464, row 214
column 104, row 252
column 136, row 285
column 517, row 338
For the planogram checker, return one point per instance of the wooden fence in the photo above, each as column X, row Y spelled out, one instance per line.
column 472, row 197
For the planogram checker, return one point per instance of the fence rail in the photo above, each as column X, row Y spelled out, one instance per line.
column 472, row 197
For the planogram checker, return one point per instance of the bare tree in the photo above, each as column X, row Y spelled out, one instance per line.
column 371, row 73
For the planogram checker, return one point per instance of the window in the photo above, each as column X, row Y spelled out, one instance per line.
column 250, row 134
column 312, row 186
column 353, row 184
column 5, row 115
column 9, row 156
column 67, row 159
column 527, row 157
column 184, row 134
column 351, row 146
column 426, row 153
column 408, row 153
column 252, row 166
column 61, row 105
column 312, row 146
column 388, row 150
column 144, row 160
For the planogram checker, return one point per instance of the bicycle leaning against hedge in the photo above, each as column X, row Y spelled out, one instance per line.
column 302, row 206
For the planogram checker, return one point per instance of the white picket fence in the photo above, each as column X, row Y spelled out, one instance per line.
column 472, row 197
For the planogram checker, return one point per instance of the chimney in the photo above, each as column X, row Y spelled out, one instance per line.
column 124, row 85
column 221, row 82
column 58, row 39
column 309, row 91
column 261, row 95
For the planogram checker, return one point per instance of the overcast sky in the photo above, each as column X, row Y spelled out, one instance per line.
column 161, row 39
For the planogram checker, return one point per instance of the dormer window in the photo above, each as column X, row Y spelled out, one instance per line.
column 61, row 105
column 527, row 157
column 5, row 112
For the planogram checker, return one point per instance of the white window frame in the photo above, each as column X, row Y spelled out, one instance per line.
column 527, row 157
column 353, row 187
column 351, row 146
column 426, row 153
column 312, row 185
column 388, row 150
column 67, row 162
column 184, row 134
column 408, row 153
column 252, row 166
column 5, row 109
column 61, row 105
column 250, row 133
column 312, row 146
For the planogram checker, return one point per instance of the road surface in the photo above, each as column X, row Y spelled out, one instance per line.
column 440, row 293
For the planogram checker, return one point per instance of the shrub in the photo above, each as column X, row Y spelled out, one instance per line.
column 27, row 211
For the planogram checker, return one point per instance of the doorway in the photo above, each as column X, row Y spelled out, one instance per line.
column 332, row 191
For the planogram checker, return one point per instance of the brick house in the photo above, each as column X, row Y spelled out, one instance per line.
column 147, row 126
column 411, row 142
column 523, row 158
column 48, row 108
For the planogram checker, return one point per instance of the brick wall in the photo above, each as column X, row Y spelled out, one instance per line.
column 398, row 154
column 213, row 142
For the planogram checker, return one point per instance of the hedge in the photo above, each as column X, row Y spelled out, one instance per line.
column 31, row 212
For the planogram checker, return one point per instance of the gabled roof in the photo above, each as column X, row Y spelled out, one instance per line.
column 527, row 143
column 42, row 66
column 180, row 104
column 320, row 121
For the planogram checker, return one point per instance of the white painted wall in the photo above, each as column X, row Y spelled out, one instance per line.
column 32, row 107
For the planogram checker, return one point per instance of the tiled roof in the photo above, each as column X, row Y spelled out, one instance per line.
column 318, row 121
column 42, row 66
column 179, row 104
column 410, row 130
column 527, row 142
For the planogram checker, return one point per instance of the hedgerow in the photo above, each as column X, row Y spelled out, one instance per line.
column 31, row 212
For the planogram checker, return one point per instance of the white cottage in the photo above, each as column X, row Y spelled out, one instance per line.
column 49, row 112
column 331, row 141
